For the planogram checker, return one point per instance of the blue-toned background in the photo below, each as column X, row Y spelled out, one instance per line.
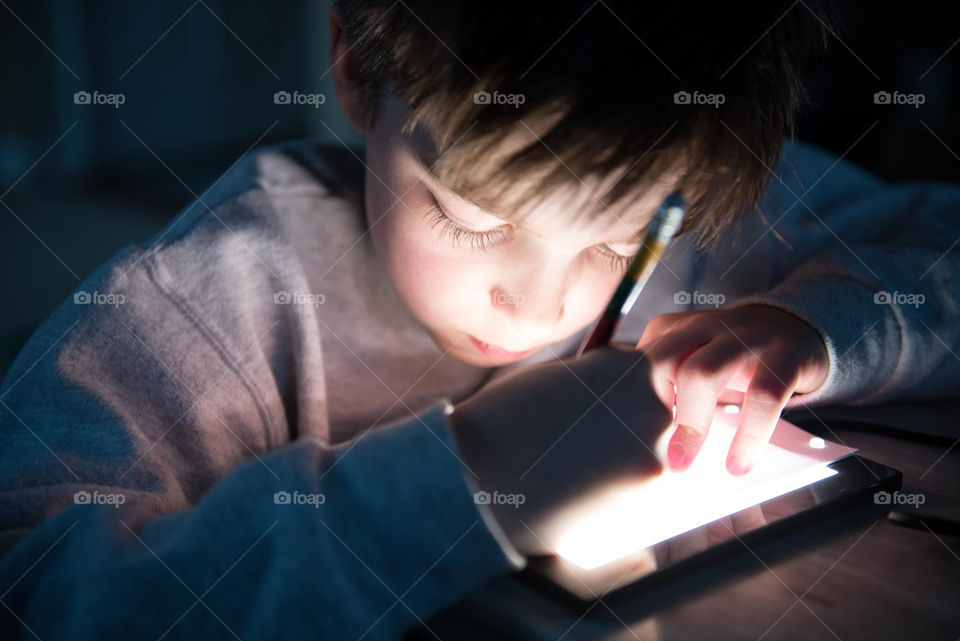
column 198, row 78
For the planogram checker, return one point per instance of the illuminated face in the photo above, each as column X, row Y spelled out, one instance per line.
column 487, row 290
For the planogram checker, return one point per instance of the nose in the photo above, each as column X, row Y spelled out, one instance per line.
column 533, row 311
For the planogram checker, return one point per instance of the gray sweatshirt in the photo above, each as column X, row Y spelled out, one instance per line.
column 238, row 430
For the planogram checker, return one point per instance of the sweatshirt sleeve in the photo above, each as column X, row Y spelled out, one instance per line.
column 153, row 486
column 882, row 286
column 366, row 539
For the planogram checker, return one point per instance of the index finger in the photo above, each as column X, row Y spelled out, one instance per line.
column 763, row 402
column 700, row 379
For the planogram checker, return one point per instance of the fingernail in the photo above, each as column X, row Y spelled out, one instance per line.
column 738, row 466
column 676, row 454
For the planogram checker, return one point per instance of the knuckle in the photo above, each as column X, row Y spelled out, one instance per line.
column 707, row 365
column 689, row 375
column 667, row 322
column 769, row 383
column 703, row 367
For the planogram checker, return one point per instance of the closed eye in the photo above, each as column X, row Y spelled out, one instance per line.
column 616, row 260
column 461, row 234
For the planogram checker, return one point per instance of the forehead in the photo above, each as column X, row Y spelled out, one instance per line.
column 578, row 205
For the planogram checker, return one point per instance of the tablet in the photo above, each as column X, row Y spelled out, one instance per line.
column 852, row 479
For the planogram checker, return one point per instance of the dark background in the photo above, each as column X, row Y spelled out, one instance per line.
column 78, row 182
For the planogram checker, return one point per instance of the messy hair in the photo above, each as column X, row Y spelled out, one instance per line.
column 603, row 89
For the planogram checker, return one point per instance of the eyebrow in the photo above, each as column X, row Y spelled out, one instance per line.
column 427, row 168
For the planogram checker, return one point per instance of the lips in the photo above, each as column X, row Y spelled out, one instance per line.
column 497, row 352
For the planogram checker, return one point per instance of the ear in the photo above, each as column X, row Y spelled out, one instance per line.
column 344, row 82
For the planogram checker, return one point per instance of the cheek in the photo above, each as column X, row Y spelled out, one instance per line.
column 430, row 275
column 437, row 283
column 447, row 287
column 588, row 298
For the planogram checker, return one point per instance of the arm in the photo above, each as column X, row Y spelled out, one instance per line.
column 142, row 405
column 393, row 539
column 810, row 322
column 881, row 294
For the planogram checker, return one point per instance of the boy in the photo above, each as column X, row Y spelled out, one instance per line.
column 280, row 429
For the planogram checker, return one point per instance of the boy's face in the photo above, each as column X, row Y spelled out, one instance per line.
column 487, row 290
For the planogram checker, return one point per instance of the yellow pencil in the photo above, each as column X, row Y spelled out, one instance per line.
column 665, row 223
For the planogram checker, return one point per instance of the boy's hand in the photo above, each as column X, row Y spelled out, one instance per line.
column 764, row 352
column 541, row 443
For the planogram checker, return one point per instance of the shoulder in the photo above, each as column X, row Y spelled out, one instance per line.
column 200, row 296
column 817, row 175
column 272, row 217
column 259, row 183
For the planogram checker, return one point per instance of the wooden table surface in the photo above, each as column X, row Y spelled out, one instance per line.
column 852, row 576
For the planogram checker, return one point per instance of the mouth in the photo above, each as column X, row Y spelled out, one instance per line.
column 497, row 352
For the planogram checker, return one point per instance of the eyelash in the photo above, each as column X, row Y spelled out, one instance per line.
column 483, row 240
column 617, row 262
